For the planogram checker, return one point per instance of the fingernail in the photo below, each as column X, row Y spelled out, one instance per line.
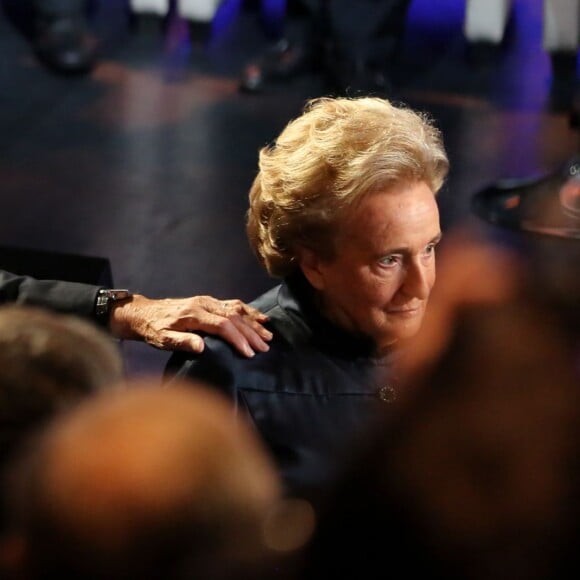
column 248, row 351
column 267, row 335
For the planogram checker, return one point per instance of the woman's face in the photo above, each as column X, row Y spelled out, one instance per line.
column 379, row 281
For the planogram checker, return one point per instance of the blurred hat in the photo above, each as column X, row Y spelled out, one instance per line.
column 548, row 204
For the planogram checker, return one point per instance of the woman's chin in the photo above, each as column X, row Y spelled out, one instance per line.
column 400, row 333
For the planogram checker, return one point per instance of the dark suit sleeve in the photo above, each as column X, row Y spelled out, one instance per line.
column 66, row 297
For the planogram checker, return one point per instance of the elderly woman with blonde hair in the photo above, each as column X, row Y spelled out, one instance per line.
column 343, row 211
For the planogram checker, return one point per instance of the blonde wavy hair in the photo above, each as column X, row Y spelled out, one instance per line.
column 335, row 153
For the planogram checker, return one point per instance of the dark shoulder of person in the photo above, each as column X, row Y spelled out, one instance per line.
column 220, row 364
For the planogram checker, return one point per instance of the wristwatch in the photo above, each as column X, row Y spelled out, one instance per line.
column 106, row 297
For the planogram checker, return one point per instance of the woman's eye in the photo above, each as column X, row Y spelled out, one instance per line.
column 430, row 249
column 388, row 261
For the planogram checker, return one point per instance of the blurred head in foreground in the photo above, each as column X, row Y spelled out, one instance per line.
column 478, row 476
column 148, row 483
column 48, row 363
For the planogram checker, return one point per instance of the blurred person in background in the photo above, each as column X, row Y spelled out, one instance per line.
column 351, row 43
column 198, row 13
column 58, row 31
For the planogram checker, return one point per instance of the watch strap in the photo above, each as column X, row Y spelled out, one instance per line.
column 106, row 297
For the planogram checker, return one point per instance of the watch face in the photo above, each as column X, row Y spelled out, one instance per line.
column 118, row 294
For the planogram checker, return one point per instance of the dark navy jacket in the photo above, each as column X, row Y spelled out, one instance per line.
column 310, row 396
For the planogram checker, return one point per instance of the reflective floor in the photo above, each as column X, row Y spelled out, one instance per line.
column 148, row 160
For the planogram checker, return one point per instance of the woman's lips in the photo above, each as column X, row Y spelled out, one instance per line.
column 407, row 311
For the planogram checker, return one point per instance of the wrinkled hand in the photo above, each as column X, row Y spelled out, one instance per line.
column 169, row 324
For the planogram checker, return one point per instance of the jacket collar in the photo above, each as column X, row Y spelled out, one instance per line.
column 296, row 298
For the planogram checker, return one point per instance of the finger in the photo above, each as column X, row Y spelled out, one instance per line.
column 254, row 314
column 226, row 329
column 239, row 307
column 175, row 340
column 253, row 332
column 244, row 316
column 240, row 335
column 253, row 326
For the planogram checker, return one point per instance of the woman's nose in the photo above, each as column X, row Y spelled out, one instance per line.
column 418, row 280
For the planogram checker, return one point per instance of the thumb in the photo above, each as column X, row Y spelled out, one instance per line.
column 183, row 341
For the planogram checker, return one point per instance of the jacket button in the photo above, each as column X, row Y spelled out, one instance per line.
column 387, row 394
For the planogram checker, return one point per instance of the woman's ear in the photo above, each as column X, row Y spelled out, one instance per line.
column 310, row 264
